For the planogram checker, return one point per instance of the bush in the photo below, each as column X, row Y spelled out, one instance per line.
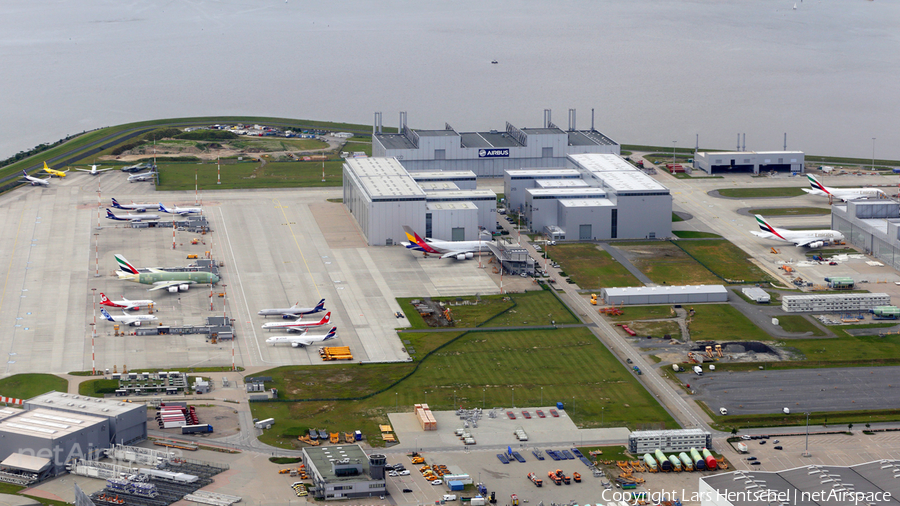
column 207, row 135
column 125, row 147
column 162, row 133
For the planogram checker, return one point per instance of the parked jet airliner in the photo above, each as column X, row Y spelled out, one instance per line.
column 803, row 238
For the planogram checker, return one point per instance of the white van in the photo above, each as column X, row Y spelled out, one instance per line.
column 449, row 497
column 723, row 411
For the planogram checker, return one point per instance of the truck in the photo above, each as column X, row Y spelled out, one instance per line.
column 477, row 501
column 565, row 479
column 742, row 447
column 197, row 429
column 556, row 479
column 576, row 477
column 698, row 370
column 268, row 422
column 534, row 479
column 637, row 370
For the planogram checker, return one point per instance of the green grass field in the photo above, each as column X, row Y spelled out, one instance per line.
column 722, row 322
column 98, row 387
column 248, row 174
column 657, row 329
column 791, row 211
column 591, row 267
column 676, row 218
column 26, row 386
column 798, row 323
column 725, row 259
column 690, row 234
column 479, row 368
column 666, row 263
column 750, row 193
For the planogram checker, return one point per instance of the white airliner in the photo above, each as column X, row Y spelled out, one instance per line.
column 139, row 167
column 124, row 303
column 179, row 210
column 803, row 238
column 133, row 207
column 293, row 311
column 297, row 325
column 94, row 171
column 304, row 340
column 35, row 180
column 461, row 250
column 844, row 194
column 133, row 320
column 130, row 217
column 145, row 176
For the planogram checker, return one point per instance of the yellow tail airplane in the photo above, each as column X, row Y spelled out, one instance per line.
column 54, row 172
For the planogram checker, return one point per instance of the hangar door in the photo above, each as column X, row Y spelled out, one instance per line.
column 459, row 234
column 584, row 232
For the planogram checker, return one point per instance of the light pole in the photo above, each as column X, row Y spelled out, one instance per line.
column 542, row 396
column 673, row 155
column 873, row 153
column 397, row 396
column 513, row 397
column 454, row 399
column 806, row 453
column 601, row 415
column 482, row 398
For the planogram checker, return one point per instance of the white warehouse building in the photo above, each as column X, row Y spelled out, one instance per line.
column 490, row 153
column 665, row 294
column 677, row 440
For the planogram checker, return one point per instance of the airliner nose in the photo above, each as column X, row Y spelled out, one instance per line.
column 215, row 279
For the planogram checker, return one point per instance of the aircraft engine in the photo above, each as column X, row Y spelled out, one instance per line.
column 817, row 244
column 183, row 288
column 137, row 323
column 172, row 289
column 461, row 256
column 295, row 345
column 470, row 255
column 288, row 317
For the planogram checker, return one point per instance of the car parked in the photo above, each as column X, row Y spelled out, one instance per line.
column 437, row 482
column 778, row 447
column 403, row 472
column 745, row 437
column 755, row 463
column 762, row 442
column 407, row 490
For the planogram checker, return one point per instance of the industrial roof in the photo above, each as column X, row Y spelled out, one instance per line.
column 544, row 172
column 26, row 462
column 6, row 412
column 461, row 194
column 586, row 202
column 599, row 162
column 442, row 174
column 651, row 290
column 876, row 482
column 437, row 133
column 588, row 137
column 736, row 153
column 88, row 405
column 451, row 206
column 631, row 181
column 433, row 186
column 835, row 296
column 566, row 192
column 500, row 139
column 49, row 424
column 395, row 141
column 561, row 183
column 322, row 457
column 384, row 178
column 473, row 140
column 543, row 131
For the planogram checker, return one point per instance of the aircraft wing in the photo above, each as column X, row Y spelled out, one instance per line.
column 806, row 241
column 162, row 285
column 452, row 254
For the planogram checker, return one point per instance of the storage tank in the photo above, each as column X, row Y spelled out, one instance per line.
column 649, row 461
column 711, row 463
column 699, row 463
column 686, row 461
column 676, row 464
column 664, row 463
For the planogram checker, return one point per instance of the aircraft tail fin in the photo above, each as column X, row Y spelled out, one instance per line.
column 110, row 215
column 414, row 238
column 106, row 315
column 163, row 209
column 125, row 265
column 325, row 319
column 115, row 203
column 320, row 306
column 816, row 185
column 766, row 227
column 331, row 334
column 104, row 299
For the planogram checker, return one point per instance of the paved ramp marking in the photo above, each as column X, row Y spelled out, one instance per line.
column 297, row 243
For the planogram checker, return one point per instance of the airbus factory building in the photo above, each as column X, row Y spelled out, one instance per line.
column 488, row 154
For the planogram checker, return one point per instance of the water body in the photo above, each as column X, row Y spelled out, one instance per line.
column 655, row 71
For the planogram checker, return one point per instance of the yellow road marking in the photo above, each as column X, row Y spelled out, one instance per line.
column 296, row 242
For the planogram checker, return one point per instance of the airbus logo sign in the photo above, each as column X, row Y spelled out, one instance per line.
column 493, row 153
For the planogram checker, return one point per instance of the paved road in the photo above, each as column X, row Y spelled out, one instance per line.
column 620, row 257
column 526, row 327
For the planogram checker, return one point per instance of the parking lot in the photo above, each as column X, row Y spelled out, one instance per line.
column 278, row 247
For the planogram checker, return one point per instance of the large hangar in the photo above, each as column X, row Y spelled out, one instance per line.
column 599, row 197
column 127, row 420
column 665, row 294
column 871, row 225
column 52, row 436
column 749, row 161
column 488, row 154
column 383, row 197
